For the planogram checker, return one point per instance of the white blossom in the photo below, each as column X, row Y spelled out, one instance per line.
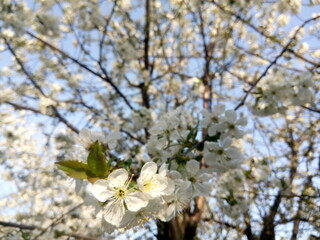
column 176, row 202
column 221, row 155
column 116, row 192
column 198, row 179
column 151, row 183
column 87, row 138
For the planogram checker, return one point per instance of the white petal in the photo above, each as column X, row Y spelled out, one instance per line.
column 135, row 201
column 212, row 130
column 203, row 188
column 210, row 146
column 174, row 174
column 226, row 142
column 242, row 121
column 129, row 220
column 163, row 169
column 192, row 167
column 219, row 109
column 100, row 190
column 170, row 212
column 118, row 178
column 185, row 185
column 174, row 135
column 210, row 158
column 112, row 139
column 205, row 122
column 231, row 116
column 114, row 136
column 114, row 212
column 233, row 153
column 203, row 177
column 170, row 188
column 148, row 170
column 238, row 133
column 112, row 145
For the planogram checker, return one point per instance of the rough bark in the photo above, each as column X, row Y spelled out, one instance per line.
column 169, row 230
column 183, row 227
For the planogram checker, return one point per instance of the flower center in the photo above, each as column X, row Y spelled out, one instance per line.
column 121, row 194
column 193, row 180
column 152, row 185
column 220, row 152
column 148, row 186
column 214, row 119
column 232, row 127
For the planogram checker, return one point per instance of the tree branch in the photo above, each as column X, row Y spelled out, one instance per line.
column 104, row 78
column 57, row 220
column 246, row 22
column 286, row 47
column 267, row 232
column 33, row 227
column 38, row 87
column 312, row 109
column 248, row 229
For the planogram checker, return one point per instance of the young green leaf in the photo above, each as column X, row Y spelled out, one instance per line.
column 73, row 168
column 96, row 160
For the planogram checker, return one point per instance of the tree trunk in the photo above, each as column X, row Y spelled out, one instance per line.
column 268, row 222
column 169, row 230
column 183, row 227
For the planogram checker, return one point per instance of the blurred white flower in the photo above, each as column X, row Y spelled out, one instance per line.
column 176, row 202
column 221, row 156
column 198, row 179
column 87, row 138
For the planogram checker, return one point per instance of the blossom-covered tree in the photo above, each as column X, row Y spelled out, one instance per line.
column 159, row 119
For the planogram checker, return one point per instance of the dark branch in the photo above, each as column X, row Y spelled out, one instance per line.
column 57, row 220
column 312, row 109
column 247, row 22
column 103, row 77
column 286, row 47
column 33, row 227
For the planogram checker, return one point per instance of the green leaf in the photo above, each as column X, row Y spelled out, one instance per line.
column 96, row 161
column 73, row 168
column 25, row 235
column 231, row 200
column 247, row 173
column 125, row 164
column 182, row 160
column 192, row 134
column 58, row 234
column 214, row 138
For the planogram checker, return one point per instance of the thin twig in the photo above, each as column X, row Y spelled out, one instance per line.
column 311, row 109
column 57, row 220
column 103, row 77
column 286, row 47
column 38, row 87
column 34, row 227
column 256, row 29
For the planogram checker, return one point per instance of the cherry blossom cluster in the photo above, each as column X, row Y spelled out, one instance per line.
column 279, row 91
column 223, row 125
column 230, row 190
column 181, row 167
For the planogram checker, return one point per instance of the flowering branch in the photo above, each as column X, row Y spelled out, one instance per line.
column 264, row 73
column 34, row 227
